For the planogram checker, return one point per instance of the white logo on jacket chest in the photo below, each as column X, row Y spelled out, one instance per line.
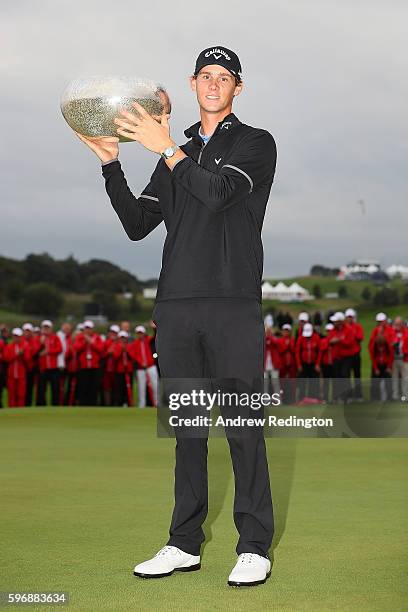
column 217, row 161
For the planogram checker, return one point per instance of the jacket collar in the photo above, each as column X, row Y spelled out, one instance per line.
column 229, row 122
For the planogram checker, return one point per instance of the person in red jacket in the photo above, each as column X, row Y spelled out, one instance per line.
column 398, row 366
column 272, row 360
column 288, row 369
column 123, row 356
column 72, row 367
column 382, row 327
column 17, row 355
column 325, row 364
column 89, row 347
column 341, row 338
column 307, row 350
column 405, row 370
column 355, row 366
column 47, row 347
column 146, row 368
column 3, row 367
column 108, row 376
column 382, row 357
column 32, row 365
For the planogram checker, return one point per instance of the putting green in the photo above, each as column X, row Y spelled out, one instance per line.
column 87, row 493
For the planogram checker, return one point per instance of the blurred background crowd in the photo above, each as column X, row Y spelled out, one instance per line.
column 308, row 360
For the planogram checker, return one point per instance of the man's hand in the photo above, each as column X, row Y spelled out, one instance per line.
column 105, row 147
column 152, row 134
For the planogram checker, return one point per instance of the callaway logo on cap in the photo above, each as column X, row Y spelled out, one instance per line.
column 222, row 57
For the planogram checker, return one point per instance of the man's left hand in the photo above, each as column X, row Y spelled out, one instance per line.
column 152, row 134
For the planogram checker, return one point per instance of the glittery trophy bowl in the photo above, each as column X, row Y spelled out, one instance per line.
column 89, row 105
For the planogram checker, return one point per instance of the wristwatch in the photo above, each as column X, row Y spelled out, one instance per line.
column 169, row 152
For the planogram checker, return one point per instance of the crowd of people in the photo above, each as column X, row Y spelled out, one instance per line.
column 79, row 367
column 322, row 362
column 315, row 362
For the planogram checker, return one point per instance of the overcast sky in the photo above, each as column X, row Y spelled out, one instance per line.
column 327, row 78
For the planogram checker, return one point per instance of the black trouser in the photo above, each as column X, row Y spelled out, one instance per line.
column 341, row 378
column 2, row 383
column 31, row 374
column 308, row 381
column 327, row 371
column 48, row 376
column 88, row 386
column 375, row 391
column 217, row 338
column 122, row 393
column 355, row 369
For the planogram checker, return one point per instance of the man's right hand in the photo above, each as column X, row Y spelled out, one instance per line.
column 105, row 147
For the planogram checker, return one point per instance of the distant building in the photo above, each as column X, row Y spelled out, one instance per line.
column 363, row 270
column 284, row 293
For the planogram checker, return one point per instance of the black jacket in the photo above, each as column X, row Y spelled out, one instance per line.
column 213, row 205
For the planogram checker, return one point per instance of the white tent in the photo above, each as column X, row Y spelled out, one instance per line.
column 283, row 293
column 397, row 270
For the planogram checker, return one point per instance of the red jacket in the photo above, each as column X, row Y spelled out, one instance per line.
column 345, row 346
column 34, row 345
column 405, row 348
column 142, row 352
column 272, row 351
column 123, row 356
column 386, row 330
column 358, row 337
column 71, row 358
column 17, row 355
column 325, row 355
column 52, row 347
column 382, row 354
column 108, row 354
column 398, row 339
column 89, row 354
column 287, row 351
column 307, row 349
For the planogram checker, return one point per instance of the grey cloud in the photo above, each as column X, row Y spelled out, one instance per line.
column 326, row 78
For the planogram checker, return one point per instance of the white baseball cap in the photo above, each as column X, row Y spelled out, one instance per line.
column 140, row 328
column 329, row 327
column 17, row 331
column 80, row 327
column 338, row 316
column 28, row 326
column 380, row 316
column 89, row 324
column 350, row 312
column 303, row 316
column 46, row 323
column 307, row 330
column 123, row 334
column 115, row 328
column 286, row 326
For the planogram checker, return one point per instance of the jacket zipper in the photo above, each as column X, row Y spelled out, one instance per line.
column 204, row 144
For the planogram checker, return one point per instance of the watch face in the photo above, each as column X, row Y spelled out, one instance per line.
column 169, row 152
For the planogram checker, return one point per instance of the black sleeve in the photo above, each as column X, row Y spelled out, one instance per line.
column 139, row 216
column 250, row 165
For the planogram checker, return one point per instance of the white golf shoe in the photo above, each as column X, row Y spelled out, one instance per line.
column 250, row 569
column 169, row 559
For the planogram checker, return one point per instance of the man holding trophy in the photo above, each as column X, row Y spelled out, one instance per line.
column 211, row 194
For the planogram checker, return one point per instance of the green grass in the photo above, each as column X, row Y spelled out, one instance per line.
column 87, row 493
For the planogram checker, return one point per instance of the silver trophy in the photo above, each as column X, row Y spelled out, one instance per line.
column 89, row 105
